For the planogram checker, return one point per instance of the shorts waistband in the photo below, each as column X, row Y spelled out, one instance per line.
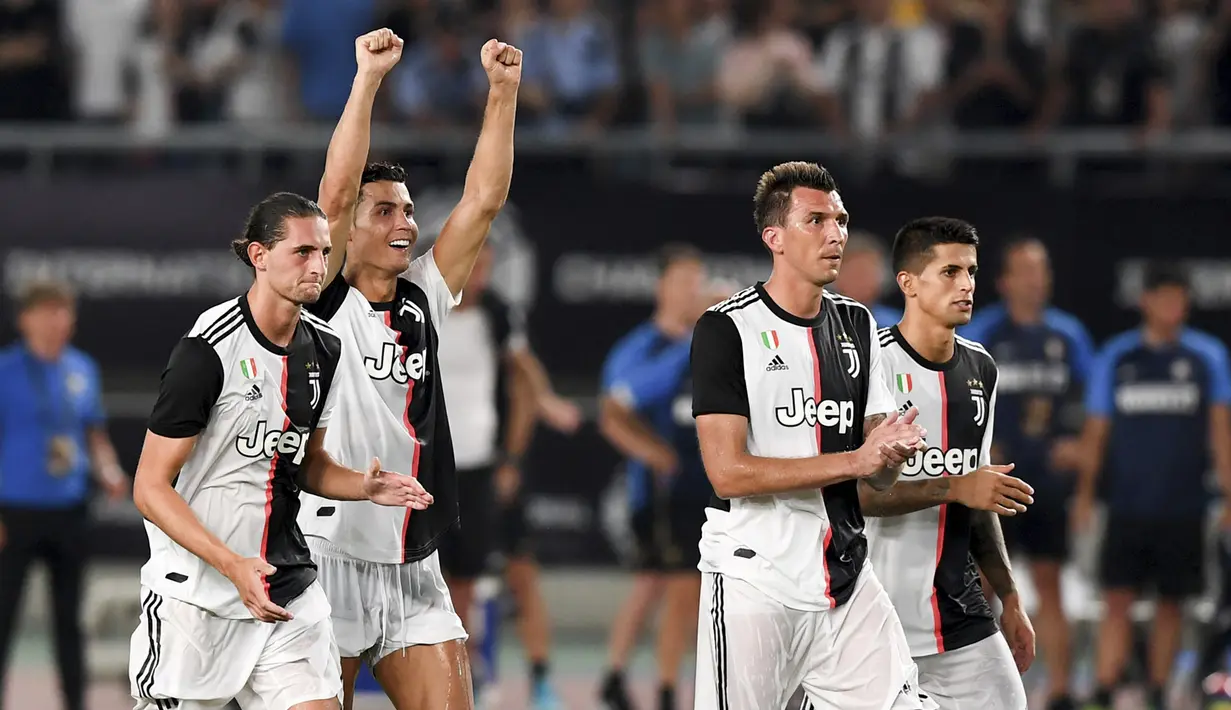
column 321, row 546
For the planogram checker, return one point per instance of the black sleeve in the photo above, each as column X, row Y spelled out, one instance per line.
column 332, row 298
column 190, row 386
column 718, row 384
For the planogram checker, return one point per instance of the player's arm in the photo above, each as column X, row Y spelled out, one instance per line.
column 990, row 553
column 555, row 411
column 634, row 381
column 105, row 462
column 323, row 476
column 189, row 389
column 1220, row 416
column 522, row 413
column 491, row 170
column 376, row 53
column 721, row 407
column 1100, row 403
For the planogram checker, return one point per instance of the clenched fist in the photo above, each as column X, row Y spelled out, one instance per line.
column 502, row 62
column 378, row 51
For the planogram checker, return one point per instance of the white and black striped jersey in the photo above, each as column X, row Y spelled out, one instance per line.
column 390, row 406
column 805, row 386
column 254, row 405
column 923, row 558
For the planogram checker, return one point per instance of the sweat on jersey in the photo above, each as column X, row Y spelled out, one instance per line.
column 390, row 406
column 805, row 385
column 648, row 373
column 1044, row 368
column 1158, row 401
column 254, row 405
column 923, row 558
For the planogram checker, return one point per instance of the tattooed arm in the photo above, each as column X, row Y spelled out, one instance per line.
column 987, row 546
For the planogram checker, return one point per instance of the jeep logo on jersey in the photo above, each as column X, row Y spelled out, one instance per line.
column 827, row 412
column 264, row 443
column 935, row 462
column 389, row 365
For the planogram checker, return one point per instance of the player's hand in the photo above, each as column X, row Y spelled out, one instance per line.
column 377, row 52
column 114, row 482
column 1082, row 514
column 1019, row 632
column 502, row 62
column 395, row 490
column 508, row 482
column 1066, row 454
column 663, row 462
column 891, row 443
column 560, row 414
column 991, row 488
column 248, row 575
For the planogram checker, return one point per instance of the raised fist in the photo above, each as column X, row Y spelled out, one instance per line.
column 377, row 51
column 502, row 62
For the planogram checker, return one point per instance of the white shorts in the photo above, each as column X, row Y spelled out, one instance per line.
column 753, row 651
column 382, row 608
column 981, row 676
column 185, row 657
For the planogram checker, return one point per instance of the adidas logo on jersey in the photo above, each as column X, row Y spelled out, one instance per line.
column 264, row 443
column 905, row 407
column 827, row 412
column 935, row 462
column 253, row 393
column 776, row 365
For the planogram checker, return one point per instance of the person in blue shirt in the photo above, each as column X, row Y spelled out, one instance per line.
column 1044, row 356
column 646, row 414
column 863, row 277
column 1157, row 423
column 52, row 436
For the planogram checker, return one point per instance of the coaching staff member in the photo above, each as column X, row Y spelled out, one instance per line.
column 52, row 438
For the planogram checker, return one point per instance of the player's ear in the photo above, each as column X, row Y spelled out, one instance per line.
column 906, row 283
column 772, row 238
column 256, row 254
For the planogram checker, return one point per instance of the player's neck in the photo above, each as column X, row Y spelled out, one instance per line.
column 933, row 341
column 44, row 352
column 798, row 297
column 1159, row 336
column 1024, row 313
column 673, row 328
column 275, row 316
column 375, row 286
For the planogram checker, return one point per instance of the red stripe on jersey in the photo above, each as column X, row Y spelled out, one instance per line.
column 269, row 484
column 944, row 511
column 816, row 381
column 410, row 429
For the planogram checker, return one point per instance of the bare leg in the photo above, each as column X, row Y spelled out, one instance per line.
column 1052, row 626
column 427, row 677
column 533, row 624
column 647, row 588
column 1164, row 641
column 350, row 673
column 1115, row 638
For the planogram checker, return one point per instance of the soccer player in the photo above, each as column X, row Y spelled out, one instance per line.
column 645, row 414
column 379, row 567
column 1156, row 408
column 791, row 412
column 862, row 276
column 495, row 390
column 1044, row 356
column 230, row 603
column 928, row 531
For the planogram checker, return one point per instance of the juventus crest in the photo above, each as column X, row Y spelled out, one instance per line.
column 314, row 381
column 409, row 306
column 850, row 353
column 979, row 396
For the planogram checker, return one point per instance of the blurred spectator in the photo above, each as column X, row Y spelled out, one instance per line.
column 872, row 74
column 1216, row 74
column 30, row 71
column 410, row 19
column 519, row 23
column 679, row 60
column 995, row 76
column 319, row 36
column 101, row 35
column 818, row 17
column 209, row 45
column 52, row 433
column 1178, row 36
column 441, row 82
column 1111, row 74
column 581, row 71
column 766, row 75
column 258, row 93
